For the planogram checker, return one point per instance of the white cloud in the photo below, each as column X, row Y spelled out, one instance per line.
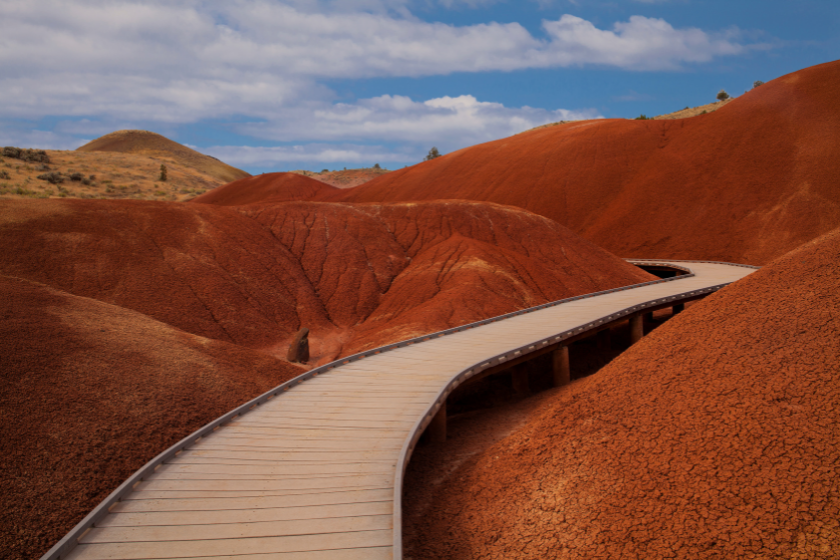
column 279, row 156
column 266, row 62
column 182, row 61
column 639, row 44
column 449, row 121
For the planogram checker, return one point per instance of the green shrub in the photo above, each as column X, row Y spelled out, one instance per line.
column 26, row 154
column 757, row 83
column 433, row 153
column 642, row 117
column 53, row 177
column 722, row 95
column 163, row 175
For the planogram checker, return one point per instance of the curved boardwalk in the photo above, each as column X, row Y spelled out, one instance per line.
column 316, row 473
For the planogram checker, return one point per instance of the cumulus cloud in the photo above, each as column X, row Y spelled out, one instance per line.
column 279, row 156
column 449, row 121
column 183, row 61
column 180, row 61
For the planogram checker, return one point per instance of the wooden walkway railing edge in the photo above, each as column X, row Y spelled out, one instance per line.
column 69, row 541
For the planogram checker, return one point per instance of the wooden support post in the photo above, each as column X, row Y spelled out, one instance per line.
column 637, row 329
column 520, row 383
column 604, row 341
column 649, row 317
column 560, row 366
column 679, row 308
column 437, row 427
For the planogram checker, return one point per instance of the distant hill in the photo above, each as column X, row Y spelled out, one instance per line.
column 746, row 183
column 266, row 188
column 147, row 143
column 344, row 178
column 715, row 435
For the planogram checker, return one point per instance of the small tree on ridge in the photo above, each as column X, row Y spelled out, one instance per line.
column 433, row 153
column 722, row 95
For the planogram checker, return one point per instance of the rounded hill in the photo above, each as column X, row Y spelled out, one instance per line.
column 356, row 275
column 143, row 142
column 264, row 189
column 716, row 436
column 746, row 183
column 90, row 393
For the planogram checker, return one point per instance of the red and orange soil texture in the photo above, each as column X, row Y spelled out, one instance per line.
column 91, row 392
column 346, row 178
column 717, row 436
column 746, row 183
column 357, row 276
column 265, row 189
column 128, row 324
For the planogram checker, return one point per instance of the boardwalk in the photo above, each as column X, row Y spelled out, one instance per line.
column 316, row 472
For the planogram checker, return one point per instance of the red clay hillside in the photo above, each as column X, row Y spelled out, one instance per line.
column 746, row 183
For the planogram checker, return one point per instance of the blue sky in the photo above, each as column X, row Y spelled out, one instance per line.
column 270, row 85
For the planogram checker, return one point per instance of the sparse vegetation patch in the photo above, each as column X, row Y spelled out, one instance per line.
column 26, row 154
column 53, row 177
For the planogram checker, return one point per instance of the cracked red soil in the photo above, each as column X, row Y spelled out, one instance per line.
column 90, row 393
column 716, row 436
column 125, row 325
column 357, row 276
column 746, row 183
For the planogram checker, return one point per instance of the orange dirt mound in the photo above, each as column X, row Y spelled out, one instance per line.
column 355, row 275
column 714, row 437
column 746, row 183
column 143, row 142
column 389, row 272
column 266, row 188
column 90, row 393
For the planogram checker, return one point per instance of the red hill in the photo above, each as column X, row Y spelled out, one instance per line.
column 187, row 293
column 266, row 188
column 356, row 275
column 745, row 183
column 90, row 393
column 714, row 437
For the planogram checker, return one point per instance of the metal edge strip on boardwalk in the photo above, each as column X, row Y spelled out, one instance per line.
column 66, row 544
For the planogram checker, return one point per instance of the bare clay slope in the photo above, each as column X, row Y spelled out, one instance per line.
column 746, row 183
column 90, row 393
column 355, row 275
column 717, row 436
column 143, row 142
column 392, row 271
column 267, row 188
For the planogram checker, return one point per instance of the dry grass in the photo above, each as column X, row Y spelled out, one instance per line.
column 151, row 144
column 115, row 175
column 681, row 114
column 694, row 111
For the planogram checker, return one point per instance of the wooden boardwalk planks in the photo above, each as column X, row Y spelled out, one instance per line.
column 315, row 472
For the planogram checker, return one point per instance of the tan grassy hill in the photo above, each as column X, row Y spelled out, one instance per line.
column 694, row 111
column 124, row 164
column 681, row 114
column 143, row 142
column 111, row 175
